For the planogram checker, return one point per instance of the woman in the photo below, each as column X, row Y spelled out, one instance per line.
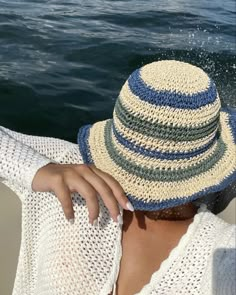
column 168, row 149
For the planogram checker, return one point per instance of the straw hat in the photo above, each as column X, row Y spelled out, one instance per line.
column 169, row 141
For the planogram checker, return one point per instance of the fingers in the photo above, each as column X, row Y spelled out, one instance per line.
column 87, row 191
column 103, row 190
column 89, row 182
column 64, row 196
column 63, row 189
column 116, row 188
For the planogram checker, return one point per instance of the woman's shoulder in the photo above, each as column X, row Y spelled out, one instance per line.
column 223, row 233
column 211, row 230
column 219, row 247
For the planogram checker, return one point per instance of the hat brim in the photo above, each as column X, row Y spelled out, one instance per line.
column 149, row 192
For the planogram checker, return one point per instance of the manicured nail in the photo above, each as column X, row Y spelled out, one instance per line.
column 129, row 206
column 95, row 222
column 120, row 219
column 71, row 220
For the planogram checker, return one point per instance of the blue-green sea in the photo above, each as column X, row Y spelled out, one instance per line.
column 63, row 62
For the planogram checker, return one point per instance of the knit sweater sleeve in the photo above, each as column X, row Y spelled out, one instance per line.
column 22, row 155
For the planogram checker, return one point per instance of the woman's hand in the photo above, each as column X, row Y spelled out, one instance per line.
column 88, row 181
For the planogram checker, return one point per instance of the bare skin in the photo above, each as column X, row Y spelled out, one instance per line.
column 146, row 243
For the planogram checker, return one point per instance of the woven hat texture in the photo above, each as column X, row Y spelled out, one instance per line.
column 169, row 141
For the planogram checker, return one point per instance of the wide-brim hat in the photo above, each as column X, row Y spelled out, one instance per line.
column 170, row 141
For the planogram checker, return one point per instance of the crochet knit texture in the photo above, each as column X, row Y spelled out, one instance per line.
column 57, row 258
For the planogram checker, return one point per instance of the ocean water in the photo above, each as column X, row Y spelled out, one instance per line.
column 63, row 62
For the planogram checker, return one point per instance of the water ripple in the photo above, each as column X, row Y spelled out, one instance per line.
column 65, row 61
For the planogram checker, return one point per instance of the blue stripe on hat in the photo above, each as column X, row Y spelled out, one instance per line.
column 161, row 155
column 168, row 98
column 164, row 204
column 82, row 141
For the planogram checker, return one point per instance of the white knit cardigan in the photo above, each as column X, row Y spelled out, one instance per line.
column 57, row 258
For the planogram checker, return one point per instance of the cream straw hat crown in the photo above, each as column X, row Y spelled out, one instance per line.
column 169, row 141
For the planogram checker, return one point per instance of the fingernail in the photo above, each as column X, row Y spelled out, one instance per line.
column 129, row 206
column 95, row 222
column 71, row 220
column 120, row 219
